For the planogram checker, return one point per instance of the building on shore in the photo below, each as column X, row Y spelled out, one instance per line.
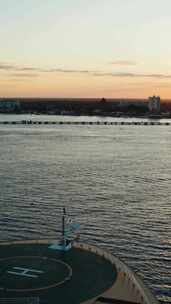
column 9, row 106
column 154, row 104
column 77, row 106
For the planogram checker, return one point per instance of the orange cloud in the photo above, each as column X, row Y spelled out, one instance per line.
column 14, row 68
column 123, row 62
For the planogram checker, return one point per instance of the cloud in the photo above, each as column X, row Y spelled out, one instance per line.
column 27, row 71
column 123, row 62
column 133, row 75
column 5, row 66
column 57, row 70
column 10, row 67
column 25, row 75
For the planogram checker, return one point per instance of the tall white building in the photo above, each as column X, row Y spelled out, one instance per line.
column 154, row 104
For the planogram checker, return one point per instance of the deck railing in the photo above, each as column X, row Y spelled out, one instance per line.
column 143, row 295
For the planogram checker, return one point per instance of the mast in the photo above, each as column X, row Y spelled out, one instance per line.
column 63, row 227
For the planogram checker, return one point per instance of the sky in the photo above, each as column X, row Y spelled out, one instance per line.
column 85, row 48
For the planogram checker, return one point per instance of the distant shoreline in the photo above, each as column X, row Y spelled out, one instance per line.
column 85, row 107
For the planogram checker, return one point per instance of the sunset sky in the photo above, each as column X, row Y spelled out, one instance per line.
column 85, row 48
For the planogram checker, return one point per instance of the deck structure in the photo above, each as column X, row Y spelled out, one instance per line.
column 32, row 272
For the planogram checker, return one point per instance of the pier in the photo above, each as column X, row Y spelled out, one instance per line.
column 102, row 123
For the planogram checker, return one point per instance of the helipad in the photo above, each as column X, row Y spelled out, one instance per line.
column 31, row 270
column 32, row 273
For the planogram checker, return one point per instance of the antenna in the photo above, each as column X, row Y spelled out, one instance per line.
column 63, row 226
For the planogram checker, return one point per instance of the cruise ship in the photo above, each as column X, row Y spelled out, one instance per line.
column 66, row 272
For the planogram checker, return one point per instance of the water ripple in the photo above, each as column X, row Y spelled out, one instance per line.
column 115, row 181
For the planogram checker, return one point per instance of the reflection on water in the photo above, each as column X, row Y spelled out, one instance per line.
column 114, row 179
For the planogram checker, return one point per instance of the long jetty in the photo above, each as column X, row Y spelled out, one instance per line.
column 114, row 123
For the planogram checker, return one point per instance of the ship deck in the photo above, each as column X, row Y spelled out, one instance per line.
column 32, row 272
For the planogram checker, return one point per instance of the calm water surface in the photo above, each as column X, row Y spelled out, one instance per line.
column 115, row 180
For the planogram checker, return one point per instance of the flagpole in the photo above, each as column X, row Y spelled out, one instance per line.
column 63, row 227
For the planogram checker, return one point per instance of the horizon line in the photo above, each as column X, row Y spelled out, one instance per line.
column 81, row 98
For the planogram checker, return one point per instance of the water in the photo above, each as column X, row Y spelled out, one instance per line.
column 115, row 180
